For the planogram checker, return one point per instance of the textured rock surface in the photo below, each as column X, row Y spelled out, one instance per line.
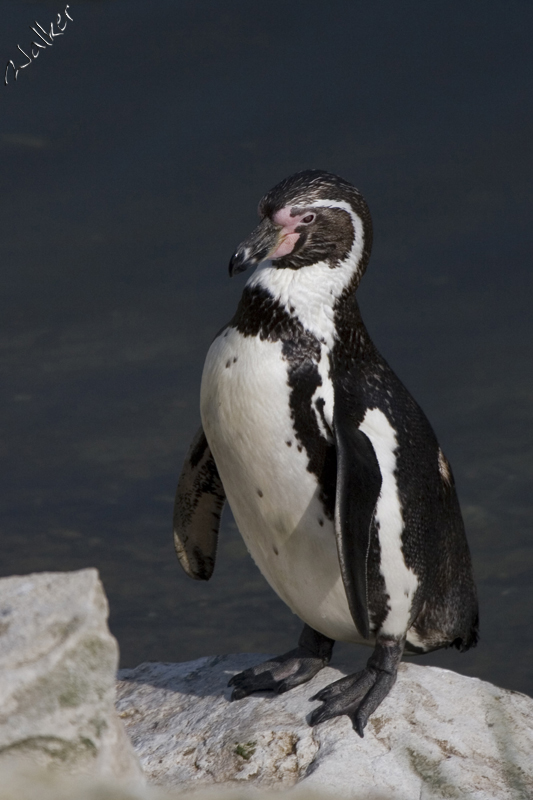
column 437, row 735
column 49, row 785
column 58, row 664
column 34, row 784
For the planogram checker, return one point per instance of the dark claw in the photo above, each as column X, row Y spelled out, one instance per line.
column 347, row 699
column 338, row 687
column 322, row 714
column 359, row 726
column 249, row 681
column 278, row 677
column 287, row 671
column 266, row 668
column 357, row 696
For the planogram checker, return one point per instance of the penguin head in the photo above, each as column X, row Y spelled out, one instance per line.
column 312, row 217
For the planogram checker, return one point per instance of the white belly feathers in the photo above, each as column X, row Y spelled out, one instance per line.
column 246, row 418
column 275, row 500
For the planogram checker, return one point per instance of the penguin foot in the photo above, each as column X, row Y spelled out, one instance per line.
column 358, row 696
column 288, row 670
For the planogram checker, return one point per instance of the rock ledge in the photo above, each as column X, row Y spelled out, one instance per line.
column 437, row 735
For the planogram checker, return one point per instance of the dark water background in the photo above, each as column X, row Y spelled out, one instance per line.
column 132, row 156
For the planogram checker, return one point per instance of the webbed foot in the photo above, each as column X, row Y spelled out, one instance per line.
column 360, row 694
column 288, row 670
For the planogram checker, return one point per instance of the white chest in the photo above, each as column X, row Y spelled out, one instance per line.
column 245, row 407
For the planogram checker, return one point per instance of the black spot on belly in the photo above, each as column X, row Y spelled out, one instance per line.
column 235, row 359
column 320, row 522
column 289, row 444
column 228, row 364
column 260, row 493
column 275, row 549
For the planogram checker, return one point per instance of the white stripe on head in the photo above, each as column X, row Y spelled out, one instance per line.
column 309, row 293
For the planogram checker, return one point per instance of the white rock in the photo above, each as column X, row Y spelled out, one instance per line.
column 437, row 735
column 49, row 785
column 58, row 665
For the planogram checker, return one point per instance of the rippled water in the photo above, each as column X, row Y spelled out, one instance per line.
column 133, row 154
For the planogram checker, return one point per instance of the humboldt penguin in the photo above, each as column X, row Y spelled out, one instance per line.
column 334, row 475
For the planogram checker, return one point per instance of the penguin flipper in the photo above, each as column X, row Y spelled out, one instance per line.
column 200, row 498
column 358, row 487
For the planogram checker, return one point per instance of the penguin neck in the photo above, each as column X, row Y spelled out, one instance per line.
column 352, row 338
column 310, row 295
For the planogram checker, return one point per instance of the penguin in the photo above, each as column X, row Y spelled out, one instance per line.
column 334, row 475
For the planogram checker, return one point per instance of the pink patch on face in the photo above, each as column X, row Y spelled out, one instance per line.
column 286, row 246
column 287, row 234
column 283, row 218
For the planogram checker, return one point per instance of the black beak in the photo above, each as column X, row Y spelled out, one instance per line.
column 238, row 262
column 256, row 248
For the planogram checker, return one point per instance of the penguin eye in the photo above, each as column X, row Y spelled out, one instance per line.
column 308, row 219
